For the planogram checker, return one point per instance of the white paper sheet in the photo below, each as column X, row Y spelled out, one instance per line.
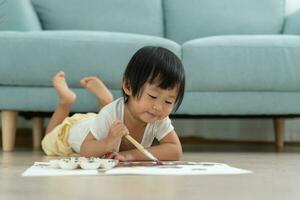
column 179, row 168
column 203, row 168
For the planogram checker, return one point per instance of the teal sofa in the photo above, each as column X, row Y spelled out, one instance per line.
column 241, row 56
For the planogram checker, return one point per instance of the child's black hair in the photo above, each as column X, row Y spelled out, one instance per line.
column 155, row 65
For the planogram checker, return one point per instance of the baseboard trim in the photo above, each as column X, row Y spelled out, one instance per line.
column 24, row 139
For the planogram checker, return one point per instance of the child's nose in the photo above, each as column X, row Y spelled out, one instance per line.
column 157, row 107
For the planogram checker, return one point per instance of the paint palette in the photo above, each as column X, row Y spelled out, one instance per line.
column 67, row 164
column 83, row 163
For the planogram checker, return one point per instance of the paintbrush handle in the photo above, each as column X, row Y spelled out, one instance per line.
column 140, row 147
column 135, row 143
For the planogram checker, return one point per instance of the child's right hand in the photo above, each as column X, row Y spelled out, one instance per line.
column 116, row 132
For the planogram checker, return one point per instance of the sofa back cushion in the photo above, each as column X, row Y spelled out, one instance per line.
column 18, row 15
column 190, row 19
column 131, row 16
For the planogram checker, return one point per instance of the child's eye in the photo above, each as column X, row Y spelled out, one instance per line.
column 153, row 97
column 169, row 102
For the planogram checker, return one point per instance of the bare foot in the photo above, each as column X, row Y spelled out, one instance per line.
column 97, row 87
column 66, row 95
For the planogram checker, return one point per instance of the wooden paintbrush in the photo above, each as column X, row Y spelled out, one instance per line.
column 142, row 149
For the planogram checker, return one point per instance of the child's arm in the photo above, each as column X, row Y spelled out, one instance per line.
column 169, row 148
column 91, row 147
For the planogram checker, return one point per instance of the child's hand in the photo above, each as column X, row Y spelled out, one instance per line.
column 116, row 132
column 121, row 156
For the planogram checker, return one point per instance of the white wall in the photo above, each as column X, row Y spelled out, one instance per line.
column 292, row 6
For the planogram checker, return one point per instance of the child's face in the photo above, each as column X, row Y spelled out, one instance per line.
column 153, row 104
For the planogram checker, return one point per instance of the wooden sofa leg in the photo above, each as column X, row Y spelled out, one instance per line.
column 37, row 131
column 9, row 122
column 279, row 127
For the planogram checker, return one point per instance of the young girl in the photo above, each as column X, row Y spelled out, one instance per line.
column 153, row 84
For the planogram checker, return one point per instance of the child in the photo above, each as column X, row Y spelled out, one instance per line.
column 153, row 84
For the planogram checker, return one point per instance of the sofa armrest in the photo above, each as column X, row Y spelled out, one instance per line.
column 292, row 24
column 292, row 17
column 18, row 15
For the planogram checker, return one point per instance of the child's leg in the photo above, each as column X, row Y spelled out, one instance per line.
column 97, row 87
column 66, row 99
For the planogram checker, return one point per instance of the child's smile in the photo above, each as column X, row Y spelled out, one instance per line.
column 151, row 117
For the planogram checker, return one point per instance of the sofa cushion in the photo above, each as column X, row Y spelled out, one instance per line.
column 131, row 16
column 18, row 15
column 240, row 103
column 45, row 99
column 186, row 20
column 39, row 55
column 243, row 63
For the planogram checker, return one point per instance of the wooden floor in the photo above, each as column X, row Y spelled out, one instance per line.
column 276, row 176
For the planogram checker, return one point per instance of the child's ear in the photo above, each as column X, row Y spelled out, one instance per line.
column 126, row 87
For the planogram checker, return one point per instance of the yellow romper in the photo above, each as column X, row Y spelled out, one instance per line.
column 55, row 143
